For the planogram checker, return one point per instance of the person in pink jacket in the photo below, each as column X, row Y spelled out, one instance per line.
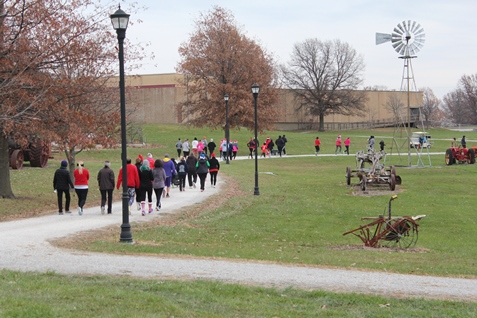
column 347, row 142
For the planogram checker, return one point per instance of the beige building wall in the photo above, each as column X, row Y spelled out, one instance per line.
column 155, row 99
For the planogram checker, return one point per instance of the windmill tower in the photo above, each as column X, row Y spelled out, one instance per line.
column 407, row 39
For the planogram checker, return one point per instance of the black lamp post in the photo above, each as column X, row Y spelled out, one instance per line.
column 120, row 20
column 227, row 137
column 255, row 90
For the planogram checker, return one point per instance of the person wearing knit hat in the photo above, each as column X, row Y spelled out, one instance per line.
column 81, row 175
column 106, row 181
column 62, row 184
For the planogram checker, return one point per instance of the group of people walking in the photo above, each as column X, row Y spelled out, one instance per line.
column 62, row 184
column 347, row 142
column 269, row 144
column 144, row 178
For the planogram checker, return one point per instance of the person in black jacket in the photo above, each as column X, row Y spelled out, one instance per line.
column 202, row 170
column 182, row 170
column 62, row 183
column 106, row 186
column 214, row 167
column 211, row 145
column 145, row 180
column 191, row 170
column 280, row 144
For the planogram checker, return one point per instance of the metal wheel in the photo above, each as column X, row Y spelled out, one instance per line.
column 449, row 157
column 392, row 182
column 363, row 182
column 16, row 159
column 348, row 175
column 39, row 154
column 402, row 233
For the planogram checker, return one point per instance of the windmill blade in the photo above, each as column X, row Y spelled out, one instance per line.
column 398, row 46
column 382, row 38
column 398, row 31
column 400, row 27
column 419, row 32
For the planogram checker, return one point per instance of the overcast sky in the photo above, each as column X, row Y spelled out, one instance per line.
column 450, row 48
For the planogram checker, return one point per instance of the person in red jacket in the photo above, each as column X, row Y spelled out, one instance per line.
column 317, row 145
column 81, row 185
column 133, row 181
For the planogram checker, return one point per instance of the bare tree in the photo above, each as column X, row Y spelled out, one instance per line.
column 460, row 105
column 219, row 59
column 430, row 104
column 324, row 77
column 455, row 108
column 468, row 86
column 395, row 106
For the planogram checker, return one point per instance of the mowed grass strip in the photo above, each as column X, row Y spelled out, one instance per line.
column 53, row 295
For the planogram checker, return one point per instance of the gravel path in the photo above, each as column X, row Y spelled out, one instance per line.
column 26, row 247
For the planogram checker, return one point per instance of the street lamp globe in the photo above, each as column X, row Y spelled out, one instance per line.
column 120, row 19
column 255, row 89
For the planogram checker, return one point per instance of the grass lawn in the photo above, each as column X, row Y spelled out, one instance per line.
column 299, row 217
column 52, row 295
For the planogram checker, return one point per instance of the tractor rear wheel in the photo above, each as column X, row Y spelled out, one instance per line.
column 39, row 153
column 449, row 157
column 471, row 156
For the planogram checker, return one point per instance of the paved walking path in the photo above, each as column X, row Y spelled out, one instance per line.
column 25, row 247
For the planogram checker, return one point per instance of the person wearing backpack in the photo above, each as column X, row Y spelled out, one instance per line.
column 182, row 173
column 202, row 170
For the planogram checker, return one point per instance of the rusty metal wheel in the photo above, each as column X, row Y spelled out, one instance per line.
column 16, row 159
column 363, row 182
column 39, row 153
column 392, row 182
column 348, row 175
column 402, row 233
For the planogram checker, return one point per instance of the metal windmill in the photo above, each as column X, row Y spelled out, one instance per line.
column 407, row 39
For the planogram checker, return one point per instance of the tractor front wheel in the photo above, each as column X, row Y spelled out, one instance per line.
column 449, row 157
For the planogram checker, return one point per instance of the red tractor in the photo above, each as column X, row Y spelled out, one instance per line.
column 37, row 152
column 460, row 155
